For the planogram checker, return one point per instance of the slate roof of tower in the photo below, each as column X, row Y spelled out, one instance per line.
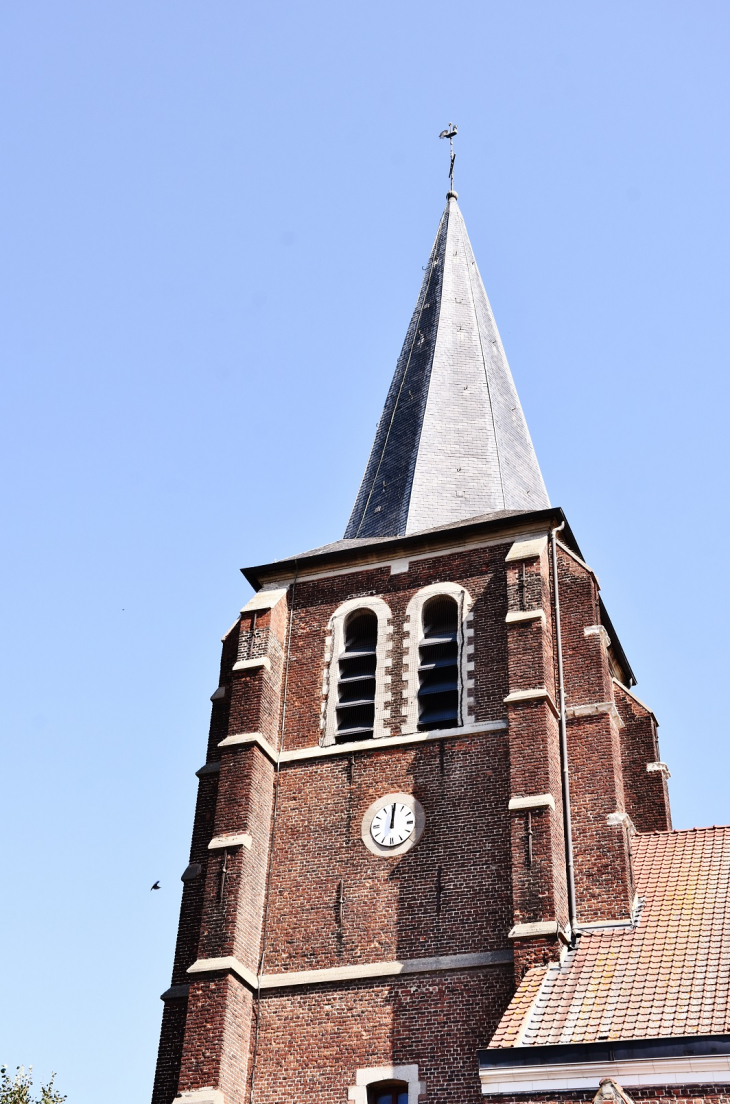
column 452, row 442
column 669, row 975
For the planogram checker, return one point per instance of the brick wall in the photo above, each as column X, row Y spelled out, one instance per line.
column 312, row 1042
column 451, row 894
column 645, row 792
column 604, row 886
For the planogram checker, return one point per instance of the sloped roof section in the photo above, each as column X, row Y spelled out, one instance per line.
column 669, row 975
column 452, row 442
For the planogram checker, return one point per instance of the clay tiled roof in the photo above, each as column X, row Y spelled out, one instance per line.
column 510, row 1026
column 667, row 975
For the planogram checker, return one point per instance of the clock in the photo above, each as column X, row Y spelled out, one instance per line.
column 393, row 824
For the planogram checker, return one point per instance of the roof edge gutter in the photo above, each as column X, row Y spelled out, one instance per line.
column 616, row 1050
column 391, row 547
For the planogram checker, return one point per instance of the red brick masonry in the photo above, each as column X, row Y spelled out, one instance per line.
column 307, row 895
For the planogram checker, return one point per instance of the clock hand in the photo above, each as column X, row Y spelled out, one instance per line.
column 392, row 818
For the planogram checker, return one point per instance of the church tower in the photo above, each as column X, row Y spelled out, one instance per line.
column 426, row 762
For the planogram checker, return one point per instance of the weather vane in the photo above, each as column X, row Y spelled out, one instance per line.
column 450, row 133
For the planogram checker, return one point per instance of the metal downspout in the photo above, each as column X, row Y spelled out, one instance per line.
column 565, row 777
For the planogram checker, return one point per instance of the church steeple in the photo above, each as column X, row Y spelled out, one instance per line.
column 452, row 442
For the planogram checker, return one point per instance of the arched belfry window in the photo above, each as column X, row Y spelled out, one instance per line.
column 357, row 674
column 438, row 664
column 388, row 1092
column 438, row 659
column 356, row 686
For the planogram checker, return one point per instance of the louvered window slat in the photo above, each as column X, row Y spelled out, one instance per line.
column 438, row 665
column 356, row 683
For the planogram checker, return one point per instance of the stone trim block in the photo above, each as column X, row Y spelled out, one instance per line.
column 539, row 693
column 516, row 616
column 537, row 801
column 251, row 664
column 399, row 567
column 238, row 839
column 592, row 709
column 662, row 768
column 215, row 965
column 539, row 930
column 265, row 599
column 249, row 739
column 621, row 820
column 218, row 694
column 599, row 631
column 526, row 549
column 201, row 1096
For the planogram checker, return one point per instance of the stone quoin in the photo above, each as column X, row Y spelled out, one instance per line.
column 432, row 856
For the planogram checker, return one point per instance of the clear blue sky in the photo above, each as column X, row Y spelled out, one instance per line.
column 214, row 219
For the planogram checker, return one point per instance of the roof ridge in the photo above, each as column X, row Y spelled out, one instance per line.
column 682, row 831
column 552, row 970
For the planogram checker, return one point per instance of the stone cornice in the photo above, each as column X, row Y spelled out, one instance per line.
column 317, row 752
column 571, row 1076
column 478, row 961
column 368, row 555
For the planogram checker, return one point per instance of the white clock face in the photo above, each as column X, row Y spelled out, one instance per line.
column 393, row 825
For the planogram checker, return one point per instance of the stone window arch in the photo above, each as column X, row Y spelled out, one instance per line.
column 437, row 660
column 369, row 1081
column 388, row 1092
column 356, row 689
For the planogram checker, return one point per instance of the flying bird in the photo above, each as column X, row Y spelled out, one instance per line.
column 155, row 886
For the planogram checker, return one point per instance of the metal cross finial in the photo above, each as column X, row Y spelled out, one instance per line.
column 450, row 133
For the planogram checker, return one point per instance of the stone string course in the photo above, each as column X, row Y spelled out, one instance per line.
column 657, row 1094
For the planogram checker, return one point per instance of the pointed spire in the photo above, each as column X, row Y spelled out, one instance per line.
column 452, row 442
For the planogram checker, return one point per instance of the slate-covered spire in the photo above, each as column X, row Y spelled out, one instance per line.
column 452, row 442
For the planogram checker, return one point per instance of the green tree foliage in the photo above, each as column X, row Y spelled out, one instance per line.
column 16, row 1089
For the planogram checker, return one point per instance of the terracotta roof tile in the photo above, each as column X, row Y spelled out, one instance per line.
column 668, row 975
column 508, row 1031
